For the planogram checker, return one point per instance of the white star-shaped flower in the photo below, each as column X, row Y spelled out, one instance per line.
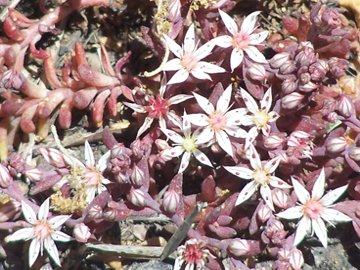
column 220, row 122
column 314, row 209
column 242, row 40
column 185, row 146
column 260, row 118
column 260, row 176
column 189, row 58
column 43, row 232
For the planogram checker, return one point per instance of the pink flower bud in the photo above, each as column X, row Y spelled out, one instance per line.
column 306, row 56
column 273, row 141
column 288, row 67
column 296, row 259
column 264, row 213
column 224, row 220
column 346, row 107
column 34, row 174
column 337, row 66
column 95, row 212
column 288, row 86
column 355, row 153
column 53, row 156
column 292, row 100
column 161, row 144
column 9, row 210
column 222, row 232
column 318, row 70
column 280, row 198
column 332, row 117
column 137, row 176
column 257, row 72
column 307, row 87
column 5, row 177
column 239, row 247
column 171, row 201
column 279, row 59
column 81, row 233
column 336, row 145
column 137, row 197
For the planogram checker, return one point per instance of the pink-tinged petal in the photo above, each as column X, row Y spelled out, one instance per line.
column 236, row 58
column 300, row 191
column 22, row 234
column 319, row 228
column 319, row 186
column 246, row 192
column 186, row 126
column 61, row 237
column 90, row 194
column 206, row 135
column 223, row 102
column 250, row 137
column 272, row 165
column 57, row 221
column 247, row 120
column 241, row 172
column 178, row 99
column 185, row 160
column 162, row 85
column 278, row 183
column 145, row 126
column 89, row 155
column 266, row 101
column 303, row 227
column 235, row 117
column 103, row 161
column 273, row 116
column 28, row 213
column 172, row 135
column 224, row 142
column 198, row 119
column 208, row 68
column 173, row 46
column 178, row 263
column 331, row 215
column 198, row 73
column 248, row 24
column 173, row 117
column 189, row 40
column 254, row 158
column 265, row 192
column 333, row 195
column 258, row 38
column 173, row 64
column 179, row 76
column 44, row 209
column 255, row 54
column 202, row 158
column 51, row 248
column 223, row 41
column 204, row 50
column 136, row 107
column 34, row 250
column 295, row 212
column 229, row 23
column 250, row 102
column 236, row 132
column 204, row 103
column 266, row 130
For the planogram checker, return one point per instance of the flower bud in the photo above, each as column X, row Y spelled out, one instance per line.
column 9, row 210
column 306, row 56
column 53, row 156
column 34, row 174
column 161, row 144
column 296, row 259
column 355, row 154
column 292, row 100
column 239, row 247
column 308, row 87
column 304, row 77
column 137, row 176
column 137, row 197
column 336, row 145
column 288, row 86
column 346, row 107
column 318, row 70
column 81, row 233
column 273, row 141
column 332, row 117
column 337, row 66
column 257, row 72
column 222, row 232
column 95, row 212
column 224, row 220
column 280, row 198
column 5, row 177
column 171, row 201
column 264, row 213
column 279, row 59
column 288, row 67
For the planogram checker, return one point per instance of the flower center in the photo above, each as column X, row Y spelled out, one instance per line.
column 193, row 254
column 217, row 121
column 261, row 177
column 313, row 209
column 92, row 177
column 241, row 41
column 261, row 118
column 158, row 107
column 42, row 229
column 189, row 144
column 188, row 61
